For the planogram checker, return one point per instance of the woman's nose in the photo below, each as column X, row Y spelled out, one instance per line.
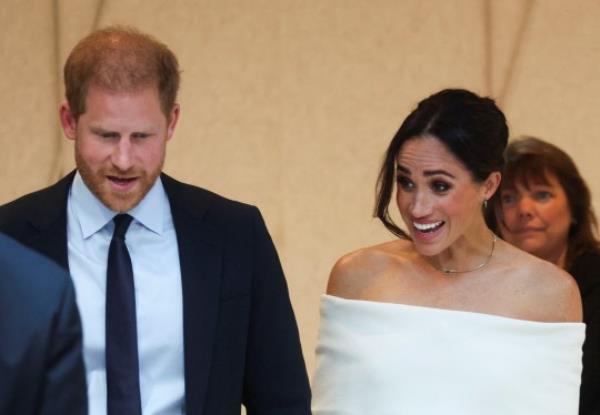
column 421, row 205
column 526, row 207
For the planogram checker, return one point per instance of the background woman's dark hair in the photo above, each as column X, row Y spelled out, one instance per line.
column 472, row 128
column 528, row 160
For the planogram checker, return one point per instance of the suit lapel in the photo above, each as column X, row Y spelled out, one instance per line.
column 50, row 221
column 200, row 255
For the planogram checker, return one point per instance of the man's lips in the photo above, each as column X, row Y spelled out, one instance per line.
column 122, row 182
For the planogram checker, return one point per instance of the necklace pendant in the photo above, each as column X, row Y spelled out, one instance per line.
column 448, row 271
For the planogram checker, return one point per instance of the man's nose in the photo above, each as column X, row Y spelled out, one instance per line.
column 122, row 157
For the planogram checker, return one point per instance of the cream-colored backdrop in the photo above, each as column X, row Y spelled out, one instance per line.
column 289, row 104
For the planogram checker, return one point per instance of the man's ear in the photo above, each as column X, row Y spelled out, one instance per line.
column 172, row 120
column 68, row 121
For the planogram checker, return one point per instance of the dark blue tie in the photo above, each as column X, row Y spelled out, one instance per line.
column 122, row 367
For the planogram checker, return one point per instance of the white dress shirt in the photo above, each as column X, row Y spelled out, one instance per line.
column 152, row 244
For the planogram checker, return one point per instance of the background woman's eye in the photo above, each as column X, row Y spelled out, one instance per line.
column 507, row 198
column 440, row 186
column 405, row 183
column 542, row 195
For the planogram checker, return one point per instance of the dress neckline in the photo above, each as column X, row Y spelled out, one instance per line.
column 450, row 311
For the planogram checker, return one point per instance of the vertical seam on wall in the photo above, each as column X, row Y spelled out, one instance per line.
column 56, row 167
column 516, row 50
column 98, row 15
column 488, row 47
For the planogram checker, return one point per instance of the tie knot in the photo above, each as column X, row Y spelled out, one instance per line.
column 122, row 222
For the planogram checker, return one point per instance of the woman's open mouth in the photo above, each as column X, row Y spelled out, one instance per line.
column 428, row 227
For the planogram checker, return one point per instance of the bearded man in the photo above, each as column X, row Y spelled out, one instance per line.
column 183, row 301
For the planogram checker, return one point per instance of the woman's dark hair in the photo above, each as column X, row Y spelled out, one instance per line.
column 471, row 127
column 529, row 160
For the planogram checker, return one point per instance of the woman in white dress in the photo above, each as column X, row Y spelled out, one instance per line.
column 447, row 319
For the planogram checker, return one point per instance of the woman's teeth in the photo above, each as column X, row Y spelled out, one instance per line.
column 427, row 227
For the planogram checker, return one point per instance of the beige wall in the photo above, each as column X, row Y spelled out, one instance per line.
column 290, row 104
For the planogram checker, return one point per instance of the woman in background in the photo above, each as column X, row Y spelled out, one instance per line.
column 447, row 319
column 544, row 207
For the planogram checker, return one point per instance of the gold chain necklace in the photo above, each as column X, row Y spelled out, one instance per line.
column 478, row 267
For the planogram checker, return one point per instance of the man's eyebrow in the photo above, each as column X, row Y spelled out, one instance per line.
column 99, row 130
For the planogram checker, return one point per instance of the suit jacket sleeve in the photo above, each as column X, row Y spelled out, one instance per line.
column 41, row 366
column 275, row 376
column 64, row 383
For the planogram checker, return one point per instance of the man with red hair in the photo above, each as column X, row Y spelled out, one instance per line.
column 184, row 305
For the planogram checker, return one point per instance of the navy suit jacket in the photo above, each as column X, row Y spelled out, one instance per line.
column 241, row 343
column 41, row 365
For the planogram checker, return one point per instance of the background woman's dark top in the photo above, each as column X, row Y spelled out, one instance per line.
column 586, row 270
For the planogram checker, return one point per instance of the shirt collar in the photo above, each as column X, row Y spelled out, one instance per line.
column 93, row 215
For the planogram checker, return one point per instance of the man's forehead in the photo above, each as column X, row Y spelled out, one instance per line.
column 100, row 88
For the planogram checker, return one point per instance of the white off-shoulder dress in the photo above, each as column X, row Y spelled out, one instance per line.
column 382, row 358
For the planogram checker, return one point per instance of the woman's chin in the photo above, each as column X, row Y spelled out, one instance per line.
column 428, row 243
column 429, row 249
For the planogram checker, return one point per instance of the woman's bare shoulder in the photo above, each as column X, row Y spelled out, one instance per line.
column 559, row 297
column 552, row 293
column 355, row 270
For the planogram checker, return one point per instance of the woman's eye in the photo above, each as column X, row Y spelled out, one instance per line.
column 507, row 198
column 440, row 186
column 542, row 195
column 405, row 183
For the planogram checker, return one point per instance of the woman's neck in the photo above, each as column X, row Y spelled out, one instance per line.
column 558, row 257
column 470, row 252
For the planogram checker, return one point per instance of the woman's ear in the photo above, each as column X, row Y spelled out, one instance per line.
column 491, row 184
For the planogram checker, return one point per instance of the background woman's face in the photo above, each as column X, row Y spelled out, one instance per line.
column 536, row 218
